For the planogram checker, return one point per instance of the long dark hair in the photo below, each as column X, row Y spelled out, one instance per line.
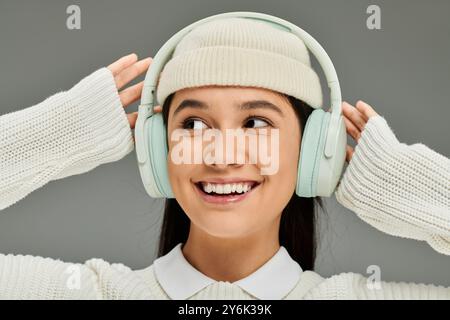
column 298, row 220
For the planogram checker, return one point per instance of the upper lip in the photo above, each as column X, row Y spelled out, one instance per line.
column 228, row 180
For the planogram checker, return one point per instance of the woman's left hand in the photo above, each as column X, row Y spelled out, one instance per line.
column 355, row 120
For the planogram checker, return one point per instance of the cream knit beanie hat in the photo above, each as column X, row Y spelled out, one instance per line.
column 241, row 52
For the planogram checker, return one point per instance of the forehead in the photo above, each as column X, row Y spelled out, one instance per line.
column 229, row 94
column 219, row 98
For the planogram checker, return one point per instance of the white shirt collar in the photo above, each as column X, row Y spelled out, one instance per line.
column 273, row 280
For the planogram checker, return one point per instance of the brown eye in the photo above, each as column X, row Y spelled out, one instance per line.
column 255, row 122
column 193, row 123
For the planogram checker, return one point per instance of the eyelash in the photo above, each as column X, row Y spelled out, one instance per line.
column 250, row 117
column 269, row 123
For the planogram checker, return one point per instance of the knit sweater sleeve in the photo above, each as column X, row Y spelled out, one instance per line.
column 71, row 132
column 354, row 286
column 400, row 189
column 33, row 277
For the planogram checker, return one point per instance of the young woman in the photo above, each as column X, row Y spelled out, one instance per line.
column 258, row 242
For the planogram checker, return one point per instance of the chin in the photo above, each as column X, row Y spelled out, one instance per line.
column 221, row 226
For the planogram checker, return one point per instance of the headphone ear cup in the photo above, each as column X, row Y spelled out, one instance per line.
column 311, row 152
column 158, row 153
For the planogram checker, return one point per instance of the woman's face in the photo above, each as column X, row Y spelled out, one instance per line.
column 222, row 107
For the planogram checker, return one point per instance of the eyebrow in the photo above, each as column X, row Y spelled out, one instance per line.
column 248, row 105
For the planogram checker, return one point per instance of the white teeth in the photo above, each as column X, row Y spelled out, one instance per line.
column 208, row 188
column 226, row 188
column 218, row 189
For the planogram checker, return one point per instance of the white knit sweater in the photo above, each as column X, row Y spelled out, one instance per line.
column 400, row 189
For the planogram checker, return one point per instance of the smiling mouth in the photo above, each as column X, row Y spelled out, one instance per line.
column 226, row 189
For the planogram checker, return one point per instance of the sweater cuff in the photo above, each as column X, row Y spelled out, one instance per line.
column 397, row 188
column 377, row 139
column 108, row 136
column 376, row 142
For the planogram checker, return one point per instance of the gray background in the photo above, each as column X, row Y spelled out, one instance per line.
column 403, row 70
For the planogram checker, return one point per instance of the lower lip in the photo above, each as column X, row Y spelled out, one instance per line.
column 223, row 199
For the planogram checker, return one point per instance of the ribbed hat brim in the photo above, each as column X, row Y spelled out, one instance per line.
column 240, row 67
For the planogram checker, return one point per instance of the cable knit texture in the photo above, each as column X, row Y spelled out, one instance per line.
column 399, row 189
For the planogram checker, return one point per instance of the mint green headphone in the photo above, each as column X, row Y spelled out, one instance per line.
column 324, row 138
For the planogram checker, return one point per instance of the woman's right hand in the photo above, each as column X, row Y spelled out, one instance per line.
column 125, row 70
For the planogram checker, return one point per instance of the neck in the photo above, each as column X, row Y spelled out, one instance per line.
column 230, row 259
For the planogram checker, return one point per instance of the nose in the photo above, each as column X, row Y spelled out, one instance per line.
column 233, row 154
column 229, row 158
column 225, row 166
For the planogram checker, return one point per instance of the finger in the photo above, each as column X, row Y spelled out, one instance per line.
column 365, row 109
column 353, row 115
column 363, row 115
column 348, row 153
column 132, row 117
column 131, row 94
column 352, row 130
column 158, row 109
column 123, row 63
column 132, row 72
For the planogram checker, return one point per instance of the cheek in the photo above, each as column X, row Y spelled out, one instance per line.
column 283, row 183
column 289, row 148
column 177, row 172
column 180, row 178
